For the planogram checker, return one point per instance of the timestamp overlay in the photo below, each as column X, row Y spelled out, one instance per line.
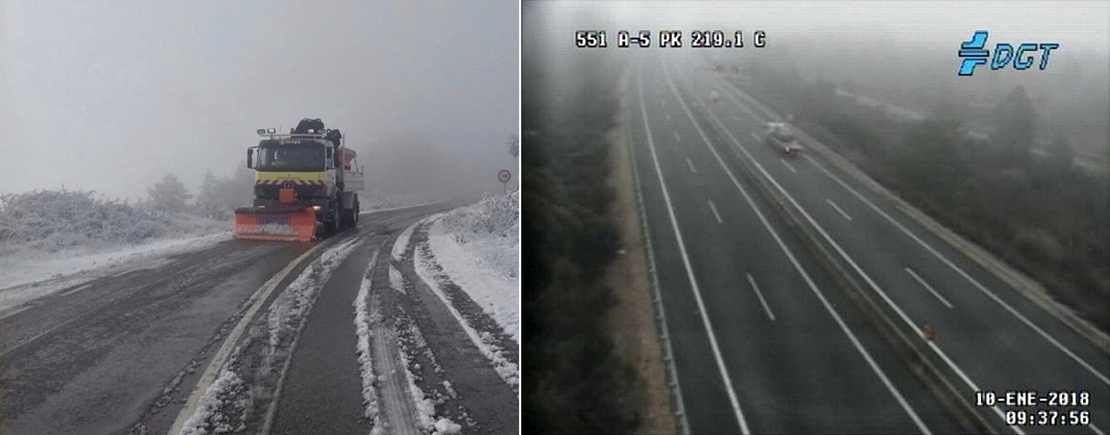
column 1056, row 409
column 725, row 39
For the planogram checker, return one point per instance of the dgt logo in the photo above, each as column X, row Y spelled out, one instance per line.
column 976, row 55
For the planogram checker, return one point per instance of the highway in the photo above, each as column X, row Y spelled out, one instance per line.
column 131, row 352
column 765, row 338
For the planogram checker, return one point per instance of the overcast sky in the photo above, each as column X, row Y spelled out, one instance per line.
column 111, row 98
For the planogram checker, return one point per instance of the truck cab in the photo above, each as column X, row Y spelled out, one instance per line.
column 316, row 167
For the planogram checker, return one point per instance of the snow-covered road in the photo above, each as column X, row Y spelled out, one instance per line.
column 343, row 334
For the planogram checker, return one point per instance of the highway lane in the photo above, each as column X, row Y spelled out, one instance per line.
column 1000, row 339
column 772, row 346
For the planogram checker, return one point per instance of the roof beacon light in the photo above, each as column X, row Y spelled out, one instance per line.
column 271, row 130
column 311, row 131
column 261, row 131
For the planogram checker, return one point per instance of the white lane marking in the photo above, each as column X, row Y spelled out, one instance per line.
column 677, row 138
column 668, row 353
column 791, row 168
column 964, row 274
column 218, row 361
column 797, row 266
column 12, row 313
column 755, row 136
column 715, row 214
column 1096, row 429
column 866, row 277
column 691, row 164
column 760, row 295
column 690, row 272
column 838, row 209
column 929, row 287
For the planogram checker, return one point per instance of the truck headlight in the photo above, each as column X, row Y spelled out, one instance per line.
column 316, row 207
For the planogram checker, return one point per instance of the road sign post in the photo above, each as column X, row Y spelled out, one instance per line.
column 504, row 176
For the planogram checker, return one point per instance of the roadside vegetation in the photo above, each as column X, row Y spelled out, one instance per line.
column 574, row 381
column 1038, row 212
column 52, row 221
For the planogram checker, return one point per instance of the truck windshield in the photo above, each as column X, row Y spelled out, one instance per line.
column 309, row 157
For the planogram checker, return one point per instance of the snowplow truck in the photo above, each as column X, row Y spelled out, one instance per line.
column 306, row 185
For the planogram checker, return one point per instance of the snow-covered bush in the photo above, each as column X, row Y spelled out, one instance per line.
column 489, row 231
column 55, row 219
column 497, row 215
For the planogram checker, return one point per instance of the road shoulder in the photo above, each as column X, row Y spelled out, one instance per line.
column 634, row 332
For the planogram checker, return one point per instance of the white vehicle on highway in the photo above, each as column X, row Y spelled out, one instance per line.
column 782, row 137
column 714, row 97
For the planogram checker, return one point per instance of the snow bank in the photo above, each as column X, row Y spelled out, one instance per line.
column 402, row 241
column 475, row 247
column 447, row 427
column 363, row 317
column 478, row 248
column 396, row 279
column 220, row 391
column 425, row 407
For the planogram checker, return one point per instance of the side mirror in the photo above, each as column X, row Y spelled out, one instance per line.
column 250, row 158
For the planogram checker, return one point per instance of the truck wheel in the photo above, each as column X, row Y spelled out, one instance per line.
column 348, row 218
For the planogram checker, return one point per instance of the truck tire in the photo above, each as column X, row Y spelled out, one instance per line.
column 348, row 218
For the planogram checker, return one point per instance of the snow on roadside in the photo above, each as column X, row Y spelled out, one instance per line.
column 425, row 407
column 505, row 368
column 285, row 315
column 363, row 317
column 20, row 270
column 209, row 405
column 447, row 427
column 478, row 248
column 396, row 279
column 475, row 247
column 294, row 302
column 402, row 242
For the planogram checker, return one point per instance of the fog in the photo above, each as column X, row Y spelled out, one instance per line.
column 112, row 97
column 897, row 52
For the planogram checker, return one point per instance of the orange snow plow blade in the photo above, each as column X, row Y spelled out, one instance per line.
column 284, row 223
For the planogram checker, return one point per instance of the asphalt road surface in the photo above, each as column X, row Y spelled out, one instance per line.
column 121, row 354
column 764, row 339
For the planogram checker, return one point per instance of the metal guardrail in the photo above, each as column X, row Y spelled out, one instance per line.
column 678, row 408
